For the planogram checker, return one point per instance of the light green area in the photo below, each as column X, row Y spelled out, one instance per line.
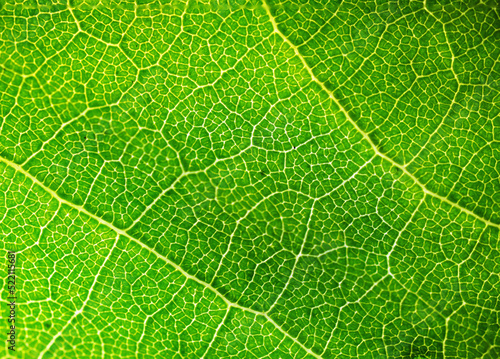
column 251, row 180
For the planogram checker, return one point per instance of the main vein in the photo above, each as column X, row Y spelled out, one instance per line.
column 153, row 251
column 364, row 134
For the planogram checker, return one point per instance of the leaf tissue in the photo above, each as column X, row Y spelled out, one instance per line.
column 250, row 179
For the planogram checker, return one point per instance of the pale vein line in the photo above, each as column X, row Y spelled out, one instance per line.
column 216, row 332
column 453, row 102
column 364, row 134
column 149, row 249
column 160, row 196
column 79, row 311
column 439, row 313
column 320, row 29
column 149, row 316
column 238, row 222
column 447, row 330
column 297, row 258
column 400, row 234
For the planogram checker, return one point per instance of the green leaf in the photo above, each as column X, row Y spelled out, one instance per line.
column 278, row 179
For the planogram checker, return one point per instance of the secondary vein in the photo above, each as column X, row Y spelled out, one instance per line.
column 153, row 251
column 364, row 134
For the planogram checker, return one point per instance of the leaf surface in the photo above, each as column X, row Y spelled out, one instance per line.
column 262, row 180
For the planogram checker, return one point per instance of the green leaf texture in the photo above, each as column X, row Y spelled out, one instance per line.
column 295, row 179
